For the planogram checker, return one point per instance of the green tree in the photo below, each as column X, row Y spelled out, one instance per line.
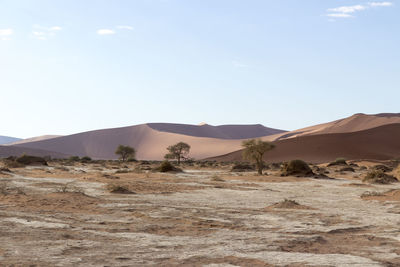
column 254, row 150
column 125, row 152
column 178, row 151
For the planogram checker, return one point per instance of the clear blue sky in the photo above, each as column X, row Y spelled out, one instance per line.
column 68, row 66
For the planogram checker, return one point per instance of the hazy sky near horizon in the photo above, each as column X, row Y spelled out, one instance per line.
column 69, row 66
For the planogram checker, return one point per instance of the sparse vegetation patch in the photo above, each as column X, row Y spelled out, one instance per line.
column 379, row 177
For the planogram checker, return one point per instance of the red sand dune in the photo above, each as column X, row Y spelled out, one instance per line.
column 151, row 140
column 151, row 143
column 382, row 142
column 357, row 122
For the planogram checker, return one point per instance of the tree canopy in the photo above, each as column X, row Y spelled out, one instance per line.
column 178, row 151
column 125, row 152
column 254, row 150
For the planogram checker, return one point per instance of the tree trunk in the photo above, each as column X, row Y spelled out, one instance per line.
column 260, row 167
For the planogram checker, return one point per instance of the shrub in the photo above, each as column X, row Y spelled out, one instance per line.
column 338, row 161
column 12, row 164
column 287, row 204
column 379, row 177
column 86, row 159
column 242, row 167
column 347, row 169
column 119, row 189
column 297, row 168
column 29, row 160
column 131, row 159
column 381, row 167
column 73, row 158
column 166, row 166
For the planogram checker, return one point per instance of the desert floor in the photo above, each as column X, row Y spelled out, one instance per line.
column 69, row 215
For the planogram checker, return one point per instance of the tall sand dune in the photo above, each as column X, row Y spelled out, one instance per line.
column 382, row 142
column 151, row 140
column 357, row 122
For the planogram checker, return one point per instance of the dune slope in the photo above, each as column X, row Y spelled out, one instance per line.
column 149, row 143
column 357, row 122
column 382, row 142
column 7, row 139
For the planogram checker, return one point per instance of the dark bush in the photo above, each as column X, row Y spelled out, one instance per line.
column 166, row 166
column 381, row 167
column 86, row 159
column 347, row 169
column 338, row 161
column 31, row 160
column 297, row 168
column 242, row 167
column 379, row 177
column 74, row 158
column 130, row 159
column 119, row 189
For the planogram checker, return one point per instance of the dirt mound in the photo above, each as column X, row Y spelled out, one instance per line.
column 288, row 204
column 118, row 189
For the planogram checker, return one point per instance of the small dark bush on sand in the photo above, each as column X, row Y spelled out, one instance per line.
column 31, row 160
column 297, row 168
column 242, row 167
column 166, row 166
column 381, row 167
column 379, row 177
column 338, row 161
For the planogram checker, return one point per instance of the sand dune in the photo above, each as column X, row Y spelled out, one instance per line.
column 151, row 140
column 357, row 122
column 32, row 139
column 7, row 139
column 149, row 143
column 382, row 142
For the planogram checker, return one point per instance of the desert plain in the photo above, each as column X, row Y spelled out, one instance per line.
column 111, row 213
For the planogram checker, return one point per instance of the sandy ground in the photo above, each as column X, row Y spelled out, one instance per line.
column 66, row 216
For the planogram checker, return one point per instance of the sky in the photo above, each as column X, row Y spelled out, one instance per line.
column 68, row 66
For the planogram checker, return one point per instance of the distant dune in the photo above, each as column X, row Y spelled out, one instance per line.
column 151, row 140
column 6, row 151
column 357, row 122
column 7, row 139
column 382, row 142
column 33, row 139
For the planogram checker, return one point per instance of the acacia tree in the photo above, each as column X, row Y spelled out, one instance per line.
column 178, row 151
column 254, row 150
column 125, row 152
